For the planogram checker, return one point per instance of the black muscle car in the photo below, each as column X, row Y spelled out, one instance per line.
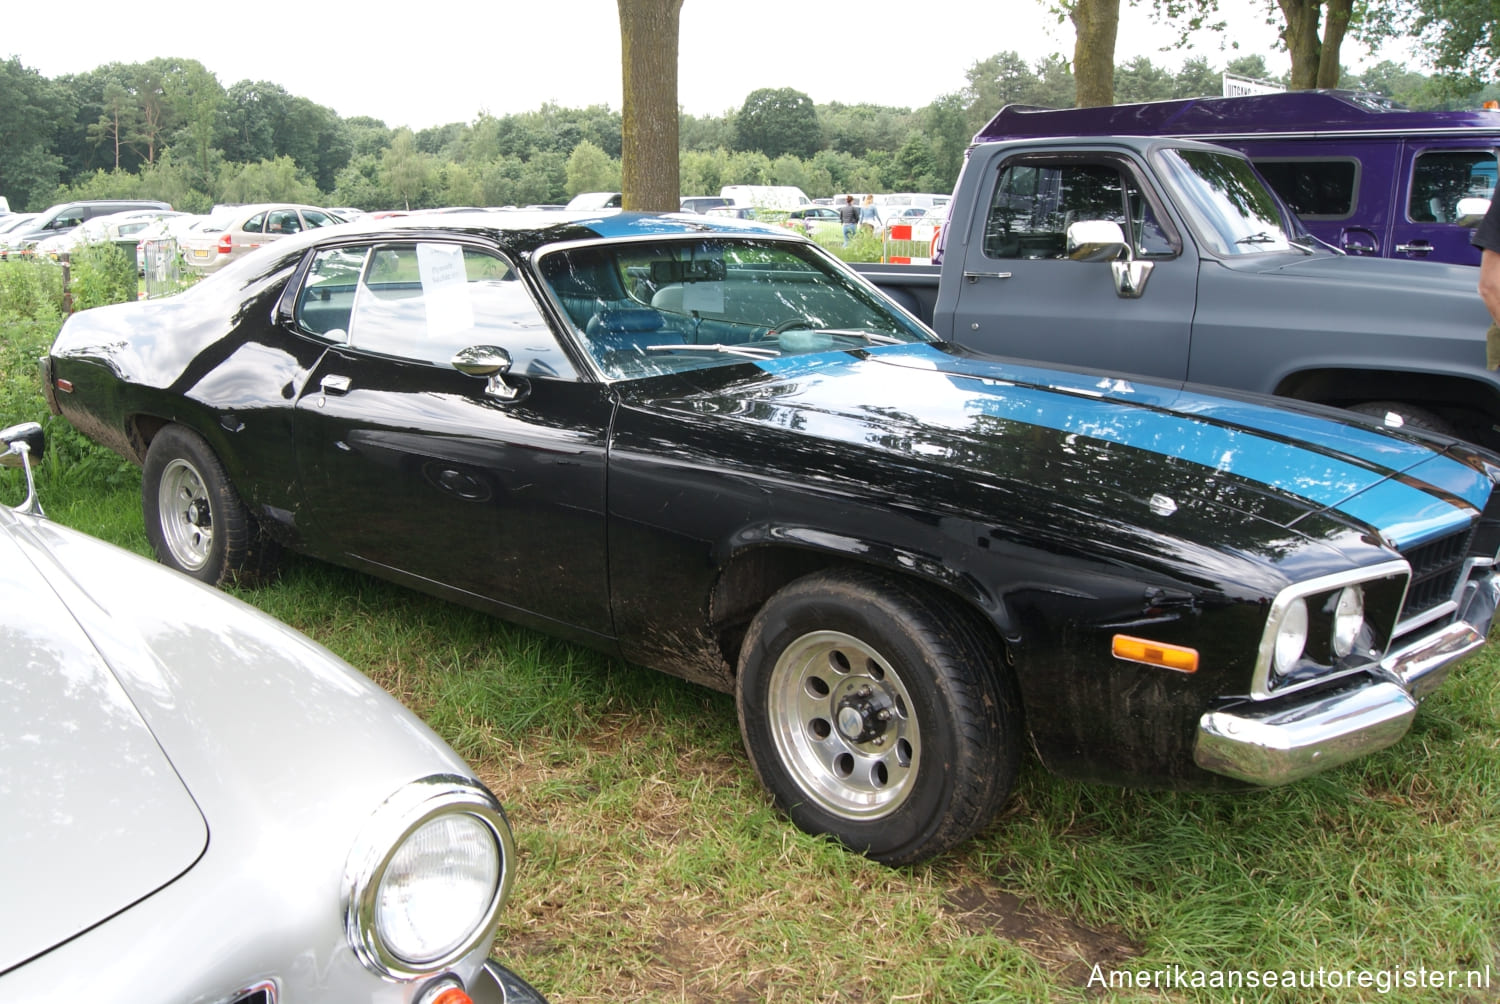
column 712, row 449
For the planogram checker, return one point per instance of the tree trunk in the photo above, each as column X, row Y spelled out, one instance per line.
column 648, row 121
column 1335, row 26
column 1095, row 25
column 1302, row 42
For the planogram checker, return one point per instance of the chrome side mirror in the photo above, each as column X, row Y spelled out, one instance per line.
column 492, row 363
column 1103, row 240
column 21, row 443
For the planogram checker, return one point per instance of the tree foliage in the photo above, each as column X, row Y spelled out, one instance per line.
column 63, row 139
column 778, row 120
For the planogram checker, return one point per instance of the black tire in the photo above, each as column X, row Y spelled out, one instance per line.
column 875, row 712
column 195, row 520
column 1412, row 417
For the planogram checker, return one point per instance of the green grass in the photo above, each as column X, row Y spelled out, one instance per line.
column 653, row 868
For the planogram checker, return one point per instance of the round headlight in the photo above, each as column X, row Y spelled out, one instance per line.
column 1291, row 637
column 438, row 888
column 1348, row 620
column 427, row 877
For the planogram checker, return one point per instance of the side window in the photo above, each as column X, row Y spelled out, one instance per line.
column 283, row 221
column 313, row 218
column 1441, row 178
column 1314, row 189
column 327, row 299
column 1034, row 204
column 255, row 224
column 427, row 301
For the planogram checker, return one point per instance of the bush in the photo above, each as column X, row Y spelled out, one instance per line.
column 31, row 290
column 102, row 273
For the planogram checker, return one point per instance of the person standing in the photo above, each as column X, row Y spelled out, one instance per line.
column 869, row 216
column 849, row 217
column 1487, row 240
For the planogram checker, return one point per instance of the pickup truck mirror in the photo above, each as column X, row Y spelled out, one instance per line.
column 1103, row 240
column 1095, row 240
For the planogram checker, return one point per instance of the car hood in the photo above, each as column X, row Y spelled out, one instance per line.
column 95, row 816
column 1036, row 428
column 1399, row 276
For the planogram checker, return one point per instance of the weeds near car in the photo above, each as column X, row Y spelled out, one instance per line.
column 654, row 868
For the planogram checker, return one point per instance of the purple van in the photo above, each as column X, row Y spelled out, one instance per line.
column 1364, row 174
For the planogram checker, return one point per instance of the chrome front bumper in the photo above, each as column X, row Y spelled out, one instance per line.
column 1280, row 743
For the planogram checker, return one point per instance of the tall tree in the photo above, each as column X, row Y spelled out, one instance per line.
column 778, row 120
column 648, row 126
column 29, row 170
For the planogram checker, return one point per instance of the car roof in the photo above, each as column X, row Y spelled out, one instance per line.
column 525, row 230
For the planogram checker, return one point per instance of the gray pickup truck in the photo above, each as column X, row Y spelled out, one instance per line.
column 1172, row 258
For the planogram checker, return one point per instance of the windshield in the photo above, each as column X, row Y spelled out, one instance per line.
column 1227, row 203
column 662, row 306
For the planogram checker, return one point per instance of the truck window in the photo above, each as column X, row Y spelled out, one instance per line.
column 1313, row 189
column 1442, row 177
column 1034, row 203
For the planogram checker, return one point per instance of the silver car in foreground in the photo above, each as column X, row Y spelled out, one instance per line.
column 197, row 803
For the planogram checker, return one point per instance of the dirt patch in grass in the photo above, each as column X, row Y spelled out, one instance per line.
column 1063, row 944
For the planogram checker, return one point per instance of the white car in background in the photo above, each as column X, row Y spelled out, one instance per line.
column 117, row 228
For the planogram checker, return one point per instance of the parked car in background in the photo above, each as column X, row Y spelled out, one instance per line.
column 814, row 221
column 237, row 230
column 595, row 200
column 202, row 801
column 732, row 212
column 62, row 218
column 15, row 221
column 120, row 229
column 709, row 447
column 347, row 213
column 699, row 203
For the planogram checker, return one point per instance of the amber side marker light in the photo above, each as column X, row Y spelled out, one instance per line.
column 1153, row 653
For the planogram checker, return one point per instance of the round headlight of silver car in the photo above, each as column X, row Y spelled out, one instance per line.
column 1291, row 637
column 427, row 877
column 1348, row 620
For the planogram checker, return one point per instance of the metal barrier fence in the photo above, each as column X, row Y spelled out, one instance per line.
column 166, row 273
column 910, row 244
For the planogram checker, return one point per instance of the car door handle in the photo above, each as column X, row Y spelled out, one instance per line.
column 976, row 276
column 335, row 384
column 1415, row 247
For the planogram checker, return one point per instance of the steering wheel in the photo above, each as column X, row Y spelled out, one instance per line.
column 789, row 324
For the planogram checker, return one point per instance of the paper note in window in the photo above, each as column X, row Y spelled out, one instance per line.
column 703, row 297
column 445, row 288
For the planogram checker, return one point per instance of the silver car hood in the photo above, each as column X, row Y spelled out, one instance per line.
column 93, row 816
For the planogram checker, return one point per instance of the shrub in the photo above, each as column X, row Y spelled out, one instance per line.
column 102, row 273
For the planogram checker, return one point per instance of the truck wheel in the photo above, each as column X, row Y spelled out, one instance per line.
column 1412, row 417
column 195, row 520
column 876, row 713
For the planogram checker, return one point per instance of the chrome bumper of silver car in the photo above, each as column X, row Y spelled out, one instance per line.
column 1281, row 743
column 496, row 984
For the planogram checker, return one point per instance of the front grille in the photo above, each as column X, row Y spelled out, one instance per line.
column 1435, row 570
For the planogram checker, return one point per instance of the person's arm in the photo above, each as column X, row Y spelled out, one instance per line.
column 1489, row 282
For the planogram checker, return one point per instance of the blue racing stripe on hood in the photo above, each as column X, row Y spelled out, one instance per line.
column 1282, row 450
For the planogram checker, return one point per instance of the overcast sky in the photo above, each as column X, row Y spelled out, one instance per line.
column 417, row 65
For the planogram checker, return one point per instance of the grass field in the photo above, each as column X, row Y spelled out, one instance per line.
column 653, row 868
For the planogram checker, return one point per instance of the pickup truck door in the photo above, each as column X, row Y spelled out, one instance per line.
column 1021, row 295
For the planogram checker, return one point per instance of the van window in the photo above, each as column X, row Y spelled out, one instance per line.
column 1314, row 189
column 1441, row 178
